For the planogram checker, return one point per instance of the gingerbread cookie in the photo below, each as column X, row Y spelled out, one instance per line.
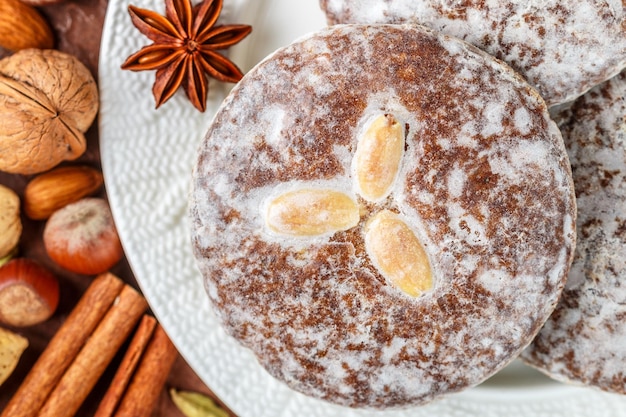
column 584, row 341
column 562, row 47
column 382, row 214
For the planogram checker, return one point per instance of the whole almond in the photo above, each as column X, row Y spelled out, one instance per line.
column 42, row 2
column 23, row 27
column 397, row 253
column 377, row 158
column 52, row 190
column 311, row 212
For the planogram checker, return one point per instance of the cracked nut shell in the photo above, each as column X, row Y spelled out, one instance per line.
column 48, row 99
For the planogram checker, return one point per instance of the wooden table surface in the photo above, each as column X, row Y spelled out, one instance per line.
column 77, row 25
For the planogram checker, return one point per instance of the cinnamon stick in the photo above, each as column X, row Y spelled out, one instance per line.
column 149, row 379
column 98, row 351
column 64, row 346
column 127, row 367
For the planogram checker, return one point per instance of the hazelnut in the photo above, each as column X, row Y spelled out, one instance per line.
column 29, row 293
column 82, row 237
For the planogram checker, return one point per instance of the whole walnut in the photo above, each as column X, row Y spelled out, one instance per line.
column 48, row 99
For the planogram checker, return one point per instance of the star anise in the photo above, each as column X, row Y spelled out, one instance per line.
column 184, row 47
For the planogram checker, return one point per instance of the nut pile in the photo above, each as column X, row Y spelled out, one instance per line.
column 48, row 100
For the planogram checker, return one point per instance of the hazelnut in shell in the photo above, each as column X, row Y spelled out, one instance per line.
column 29, row 293
column 82, row 237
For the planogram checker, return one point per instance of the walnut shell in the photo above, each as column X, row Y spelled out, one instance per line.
column 48, row 99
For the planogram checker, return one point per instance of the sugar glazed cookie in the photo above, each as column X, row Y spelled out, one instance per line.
column 382, row 215
column 584, row 341
column 562, row 47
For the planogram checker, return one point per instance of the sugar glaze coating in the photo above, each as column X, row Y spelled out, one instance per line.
column 562, row 47
column 484, row 183
column 584, row 341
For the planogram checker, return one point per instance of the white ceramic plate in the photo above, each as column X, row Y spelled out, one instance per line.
column 147, row 157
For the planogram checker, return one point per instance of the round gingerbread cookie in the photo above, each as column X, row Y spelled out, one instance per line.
column 562, row 47
column 382, row 214
column 584, row 341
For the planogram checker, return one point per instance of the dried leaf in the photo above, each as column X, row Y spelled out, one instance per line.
column 195, row 404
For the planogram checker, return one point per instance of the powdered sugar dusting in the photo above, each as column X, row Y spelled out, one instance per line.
column 316, row 312
column 562, row 47
column 583, row 342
